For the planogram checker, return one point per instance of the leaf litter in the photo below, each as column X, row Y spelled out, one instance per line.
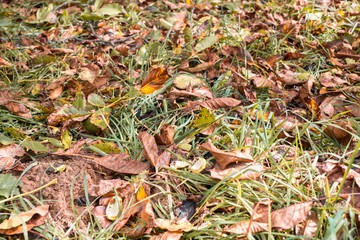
column 249, row 108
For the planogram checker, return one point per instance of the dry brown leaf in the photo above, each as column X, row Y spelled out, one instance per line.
column 180, row 20
column 122, row 187
column 224, row 158
column 289, row 217
column 252, row 171
column 216, row 103
column 118, row 163
column 150, row 148
column 167, row 236
column 289, row 77
column 240, row 53
column 4, row 63
column 293, row 56
column 173, row 225
column 247, row 227
column 100, row 213
column 165, row 137
column 33, row 218
column 308, row 228
column 18, row 109
column 8, row 154
column 341, row 132
column 263, row 82
column 328, row 80
column 202, row 92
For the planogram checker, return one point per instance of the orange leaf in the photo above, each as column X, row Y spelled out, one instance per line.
column 154, row 80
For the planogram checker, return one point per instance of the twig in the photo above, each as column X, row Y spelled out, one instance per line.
column 27, row 193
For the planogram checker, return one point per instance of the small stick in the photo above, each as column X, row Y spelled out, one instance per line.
column 27, row 193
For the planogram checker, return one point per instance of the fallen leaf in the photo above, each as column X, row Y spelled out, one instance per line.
column 263, row 82
column 216, row 103
column 122, row 187
column 165, row 137
column 247, row 227
column 224, row 158
column 32, row 218
column 183, row 81
column 309, row 227
column 150, row 147
column 328, row 80
column 118, row 163
column 8, row 154
column 173, row 225
column 242, row 171
column 168, row 236
column 289, row 217
column 341, row 131
column 205, row 43
column 154, row 80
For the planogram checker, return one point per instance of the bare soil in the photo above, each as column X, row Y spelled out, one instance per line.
column 68, row 192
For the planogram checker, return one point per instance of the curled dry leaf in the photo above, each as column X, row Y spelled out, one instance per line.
column 165, row 137
column 216, row 103
column 8, row 154
column 154, row 80
column 173, row 225
column 224, row 158
column 168, row 236
column 250, row 171
column 118, row 163
column 100, row 213
column 150, row 148
column 32, row 218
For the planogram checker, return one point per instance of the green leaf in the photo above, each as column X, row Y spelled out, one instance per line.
column 204, row 118
column 110, row 10
column 7, row 183
column 107, row 147
column 35, row 146
column 66, row 139
column 205, row 43
column 96, row 100
column 100, row 118
column 43, row 12
column 5, row 140
column 79, row 100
